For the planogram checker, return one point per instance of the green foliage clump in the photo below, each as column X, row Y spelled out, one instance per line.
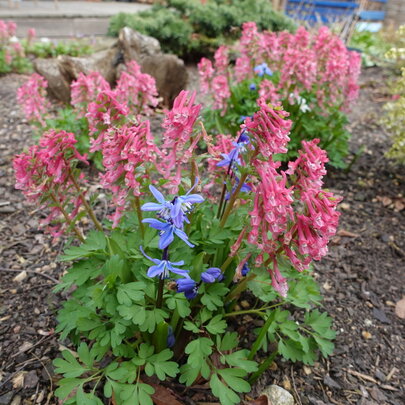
column 49, row 49
column 379, row 48
column 394, row 120
column 191, row 29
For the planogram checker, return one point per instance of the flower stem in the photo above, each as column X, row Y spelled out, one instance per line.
column 66, row 216
column 239, row 287
column 159, row 298
column 259, row 340
column 85, row 203
column 263, row 367
column 253, row 311
column 233, row 199
column 139, row 215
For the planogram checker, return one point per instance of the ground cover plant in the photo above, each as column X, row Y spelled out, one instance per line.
column 314, row 78
column 16, row 55
column 154, row 285
column 134, row 90
column 394, row 118
column 192, row 28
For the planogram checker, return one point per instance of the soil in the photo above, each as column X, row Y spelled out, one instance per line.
column 362, row 278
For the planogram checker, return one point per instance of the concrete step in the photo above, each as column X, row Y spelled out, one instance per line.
column 65, row 18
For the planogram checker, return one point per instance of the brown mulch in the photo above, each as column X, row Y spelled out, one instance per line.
column 362, row 278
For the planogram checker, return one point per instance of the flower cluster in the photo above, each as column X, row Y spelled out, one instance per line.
column 45, row 175
column 32, row 97
column 320, row 63
column 172, row 216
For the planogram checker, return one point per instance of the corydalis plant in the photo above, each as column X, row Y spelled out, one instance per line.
column 314, row 78
column 192, row 230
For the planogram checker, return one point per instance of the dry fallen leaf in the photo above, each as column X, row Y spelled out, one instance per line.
column 20, row 276
column 18, row 380
column 400, row 308
column 262, row 400
column 347, row 234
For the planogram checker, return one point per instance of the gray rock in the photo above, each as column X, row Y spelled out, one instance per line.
column 58, row 85
column 135, row 45
column 6, row 398
column 168, row 70
column 278, row 395
column 170, row 74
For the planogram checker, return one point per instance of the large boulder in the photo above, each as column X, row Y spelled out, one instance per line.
column 58, row 85
column 169, row 71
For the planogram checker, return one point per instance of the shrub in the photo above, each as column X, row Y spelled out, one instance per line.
column 191, row 29
column 155, row 286
column 314, row 78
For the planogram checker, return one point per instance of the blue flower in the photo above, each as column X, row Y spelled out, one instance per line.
column 211, row 275
column 167, row 232
column 164, row 207
column 243, row 117
column 171, row 340
column 252, row 86
column 173, row 211
column 229, row 159
column 163, row 267
column 262, row 70
column 244, row 189
column 243, row 137
column 187, row 286
column 245, row 269
column 182, row 205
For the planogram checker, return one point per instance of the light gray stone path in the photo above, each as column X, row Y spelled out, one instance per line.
column 69, row 18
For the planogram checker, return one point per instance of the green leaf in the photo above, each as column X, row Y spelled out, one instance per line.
column 216, row 325
column 223, row 392
column 290, row 349
column 84, row 355
column 233, row 377
column 152, row 318
column 212, row 298
column 228, row 342
column 325, row 345
column 180, row 303
column 135, row 313
column 69, row 367
column 191, row 327
column 239, row 359
column 198, row 349
column 67, row 386
column 158, row 364
column 131, row 292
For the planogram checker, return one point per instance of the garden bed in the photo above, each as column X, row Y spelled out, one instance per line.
column 361, row 278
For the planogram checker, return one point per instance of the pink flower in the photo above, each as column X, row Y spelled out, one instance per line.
column 221, row 93
column 180, row 120
column 45, row 175
column 137, row 90
column 221, row 60
column 126, row 151
column 270, row 129
column 278, row 282
column 86, row 89
column 31, row 35
column 102, row 114
column 309, row 167
column 206, row 72
column 268, row 92
column 32, row 97
column 11, row 28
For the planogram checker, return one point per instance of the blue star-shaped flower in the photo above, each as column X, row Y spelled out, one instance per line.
column 262, row 70
column 163, row 267
column 167, row 231
column 173, row 211
column 187, row 286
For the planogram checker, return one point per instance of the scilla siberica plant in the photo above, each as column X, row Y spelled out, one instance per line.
column 314, row 77
column 154, row 290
